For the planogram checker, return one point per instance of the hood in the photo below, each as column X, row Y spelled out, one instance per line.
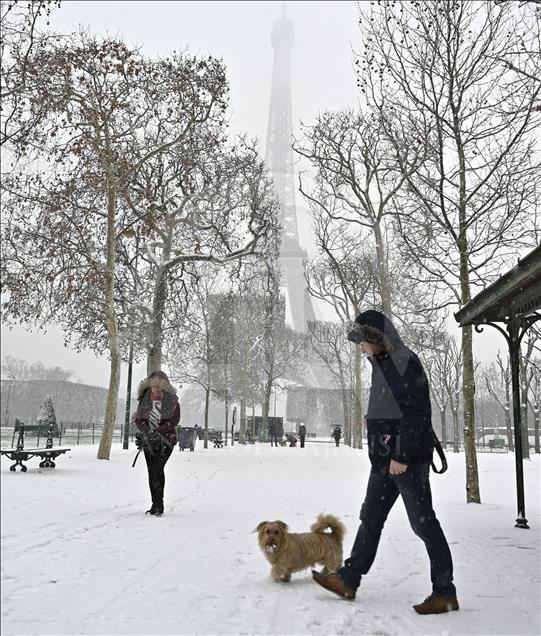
column 158, row 379
column 373, row 326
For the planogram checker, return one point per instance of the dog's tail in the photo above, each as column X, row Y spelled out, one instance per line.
column 324, row 522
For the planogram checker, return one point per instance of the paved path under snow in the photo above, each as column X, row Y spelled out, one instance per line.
column 79, row 556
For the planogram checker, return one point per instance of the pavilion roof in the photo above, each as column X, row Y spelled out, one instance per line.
column 515, row 294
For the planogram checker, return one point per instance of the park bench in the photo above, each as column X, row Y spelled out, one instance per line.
column 218, row 442
column 21, row 454
column 498, row 443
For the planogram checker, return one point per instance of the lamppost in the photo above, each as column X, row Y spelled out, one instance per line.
column 125, row 442
column 233, row 420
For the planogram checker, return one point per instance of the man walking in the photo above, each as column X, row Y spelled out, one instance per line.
column 337, row 434
column 302, row 433
column 400, row 445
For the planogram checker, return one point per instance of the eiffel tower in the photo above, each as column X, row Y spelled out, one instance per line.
column 279, row 160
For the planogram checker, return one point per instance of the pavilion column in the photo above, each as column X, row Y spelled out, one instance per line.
column 513, row 327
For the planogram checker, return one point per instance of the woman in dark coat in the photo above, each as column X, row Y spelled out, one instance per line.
column 400, row 446
column 157, row 415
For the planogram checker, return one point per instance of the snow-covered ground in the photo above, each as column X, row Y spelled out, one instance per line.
column 80, row 557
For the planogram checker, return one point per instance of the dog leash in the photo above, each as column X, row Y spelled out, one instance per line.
column 138, row 453
column 441, row 454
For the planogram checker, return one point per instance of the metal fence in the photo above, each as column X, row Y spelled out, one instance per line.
column 74, row 433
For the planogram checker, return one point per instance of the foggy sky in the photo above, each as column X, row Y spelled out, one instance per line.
column 238, row 32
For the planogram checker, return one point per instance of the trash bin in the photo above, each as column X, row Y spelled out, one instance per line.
column 186, row 437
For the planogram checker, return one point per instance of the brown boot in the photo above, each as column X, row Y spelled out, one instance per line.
column 333, row 583
column 434, row 604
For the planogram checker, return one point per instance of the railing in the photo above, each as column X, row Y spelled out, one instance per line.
column 73, row 434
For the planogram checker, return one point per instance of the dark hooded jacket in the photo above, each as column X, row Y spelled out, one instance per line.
column 399, row 420
column 170, row 407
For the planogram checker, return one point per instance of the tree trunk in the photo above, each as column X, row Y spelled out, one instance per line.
column 536, row 410
column 347, row 414
column 347, row 417
column 206, row 430
column 468, row 392
column 468, row 379
column 358, row 408
column 507, row 415
column 266, row 399
column 456, row 436
column 226, row 417
column 524, row 411
column 242, row 428
column 443, row 427
column 242, row 424
column 154, row 344
column 109, row 420
column 383, row 274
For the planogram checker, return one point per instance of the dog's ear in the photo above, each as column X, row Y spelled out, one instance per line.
column 260, row 526
column 282, row 525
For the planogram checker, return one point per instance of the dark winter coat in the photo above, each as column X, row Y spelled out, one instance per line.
column 399, row 419
column 170, row 407
column 337, row 433
column 302, row 431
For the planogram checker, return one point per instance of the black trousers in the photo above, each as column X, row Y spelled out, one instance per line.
column 156, row 460
column 382, row 492
column 302, row 441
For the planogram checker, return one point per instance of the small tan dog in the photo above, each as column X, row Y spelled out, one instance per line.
column 290, row 552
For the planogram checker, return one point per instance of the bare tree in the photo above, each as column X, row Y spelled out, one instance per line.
column 356, row 179
column 97, row 97
column 333, row 349
column 433, row 73
column 498, row 383
column 211, row 203
column 20, row 38
column 283, row 350
column 191, row 352
column 438, row 362
column 527, row 377
column 21, row 370
column 535, row 398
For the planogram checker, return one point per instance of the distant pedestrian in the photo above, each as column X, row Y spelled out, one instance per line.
column 302, row 434
column 291, row 439
column 400, row 446
column 156, row 417
column 275, row 434
column 337, row 434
